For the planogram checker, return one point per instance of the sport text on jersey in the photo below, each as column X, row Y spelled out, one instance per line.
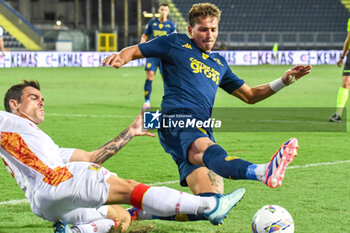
column 200, row 67
column 157, row 33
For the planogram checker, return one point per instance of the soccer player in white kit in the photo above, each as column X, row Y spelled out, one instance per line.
column 70, row 184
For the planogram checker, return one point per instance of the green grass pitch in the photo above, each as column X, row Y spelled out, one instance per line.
column 85, row 107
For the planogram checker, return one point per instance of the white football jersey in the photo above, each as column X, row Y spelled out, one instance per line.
column 1, row 32
column 30, row 155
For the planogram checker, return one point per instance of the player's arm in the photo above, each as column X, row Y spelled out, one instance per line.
column 117, row 60
column 253, row 95
column 143, row 38
column 345, row 50
column 2, row 46
column 101, row 154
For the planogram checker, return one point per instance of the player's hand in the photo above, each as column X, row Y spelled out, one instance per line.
column 295, row 73
column 113, row 60
column 136, row 128
column 340, row 62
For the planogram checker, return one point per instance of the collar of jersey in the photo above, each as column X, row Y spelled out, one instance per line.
column 162, row 22
column 196, row 46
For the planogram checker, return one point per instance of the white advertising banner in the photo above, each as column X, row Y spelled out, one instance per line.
column 94, row 59
column 313, row 57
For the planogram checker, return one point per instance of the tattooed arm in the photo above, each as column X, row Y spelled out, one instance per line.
column 110, row 148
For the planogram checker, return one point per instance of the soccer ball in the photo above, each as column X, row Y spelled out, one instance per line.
column 272, row 218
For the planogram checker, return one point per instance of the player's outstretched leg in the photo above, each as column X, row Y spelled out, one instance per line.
column 61, row 227
column 279, row 162
column 224, row 204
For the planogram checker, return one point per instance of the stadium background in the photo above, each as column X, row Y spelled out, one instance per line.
column 88, row 106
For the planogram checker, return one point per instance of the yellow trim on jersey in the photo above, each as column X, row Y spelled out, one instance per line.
column 205, row 56
column 202, row 130
column 230, row 158
column 187, row 46
column 218, row 61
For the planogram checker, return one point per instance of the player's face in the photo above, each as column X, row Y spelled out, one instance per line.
column 163, row 11
column 205, row 32
column 31, row 106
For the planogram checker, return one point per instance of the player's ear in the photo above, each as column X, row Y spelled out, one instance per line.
column 189, row 30
column 13, row 104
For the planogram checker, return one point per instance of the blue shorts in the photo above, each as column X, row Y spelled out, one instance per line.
column 152, row 64
column 176, row 142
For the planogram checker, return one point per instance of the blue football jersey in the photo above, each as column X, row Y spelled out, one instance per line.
column 191, row 76
column 155, row 28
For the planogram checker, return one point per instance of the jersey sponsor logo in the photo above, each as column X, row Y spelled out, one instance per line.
column 167, row 25
column 157, row 33
column 187, row 46
column 14, row 144
column 205, row 56
column 154, row 24
column 161, row 26
column 218, row 61
column 200, row 67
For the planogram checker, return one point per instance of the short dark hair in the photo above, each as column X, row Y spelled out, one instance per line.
column 15, row 92
column 202, row 10
column 163, row 4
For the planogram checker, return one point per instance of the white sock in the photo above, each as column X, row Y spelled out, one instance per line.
column 163, row 201
column 99, row 226
column 206, row 204
column 260, row 171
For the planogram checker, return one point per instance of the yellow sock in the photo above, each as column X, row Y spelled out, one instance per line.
column 342, row 97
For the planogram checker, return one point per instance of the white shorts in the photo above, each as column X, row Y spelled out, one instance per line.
column 76, row 200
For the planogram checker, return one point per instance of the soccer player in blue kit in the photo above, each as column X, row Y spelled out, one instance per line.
column 156, row 27
column 192, row 75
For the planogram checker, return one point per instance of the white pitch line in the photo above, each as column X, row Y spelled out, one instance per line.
column 88, row 115
column 164, row 182
column 127, row 116
column 318, row 164
column 16, row 202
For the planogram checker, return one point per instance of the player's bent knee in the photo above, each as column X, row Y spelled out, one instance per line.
column 346, row 82
column 133, row 183
column 346, row 85
column 150, row 75
column 196, row 150
column 119, row 190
